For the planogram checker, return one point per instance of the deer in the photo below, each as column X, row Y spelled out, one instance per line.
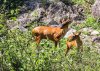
column 52, row 33
column 74, row 41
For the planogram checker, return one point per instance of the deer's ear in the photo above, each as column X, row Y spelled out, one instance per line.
column 79, row 33
column 60, row 21
column 74, row 33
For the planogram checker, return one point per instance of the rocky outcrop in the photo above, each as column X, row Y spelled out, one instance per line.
column 96, row 39
column 51, row 11
column 96, row 9
column 70, row 32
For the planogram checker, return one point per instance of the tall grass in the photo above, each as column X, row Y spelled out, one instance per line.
column 19, row 53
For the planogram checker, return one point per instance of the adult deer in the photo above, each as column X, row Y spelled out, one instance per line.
column 52, row 33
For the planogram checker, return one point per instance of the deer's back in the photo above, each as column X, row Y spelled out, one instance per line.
column 71, row 44
column 47, row 32
column 74, row 43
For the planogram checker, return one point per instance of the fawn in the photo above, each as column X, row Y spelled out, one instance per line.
column 52, row 33
column 74, row 41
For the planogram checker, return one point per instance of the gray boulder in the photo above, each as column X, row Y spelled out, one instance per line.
column 49, row 15
column 70, row 32
column 96, row 9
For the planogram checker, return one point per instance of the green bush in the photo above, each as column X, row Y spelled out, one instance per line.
column 91, row 22
column 3, row 28
column 19, row 53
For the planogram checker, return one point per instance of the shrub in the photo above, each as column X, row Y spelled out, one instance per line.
column 19, row 54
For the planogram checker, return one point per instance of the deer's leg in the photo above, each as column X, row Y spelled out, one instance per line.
column 38, row 39
column 81, row 48
column 67, row 50
column 56, row 43
column 59, row 43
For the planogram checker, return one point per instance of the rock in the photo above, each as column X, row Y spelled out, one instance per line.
column 89, row 30
column 95, row 32
column 54, row 11
column 21, row 28
column 69, row 32
column 96, row 39
column 47, row 21
column 96, row 9
column 53, row 1
column 52, row 22
column 84, row 36
column 60, row 9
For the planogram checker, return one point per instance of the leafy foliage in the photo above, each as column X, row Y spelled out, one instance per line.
column 18, row 51
column 2, row 25
column 10, row 7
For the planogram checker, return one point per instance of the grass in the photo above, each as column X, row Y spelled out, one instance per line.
column 20, row 53
column 89, row 22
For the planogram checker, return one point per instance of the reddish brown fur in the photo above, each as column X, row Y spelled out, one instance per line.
column 74, row 41
column 52, row 33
